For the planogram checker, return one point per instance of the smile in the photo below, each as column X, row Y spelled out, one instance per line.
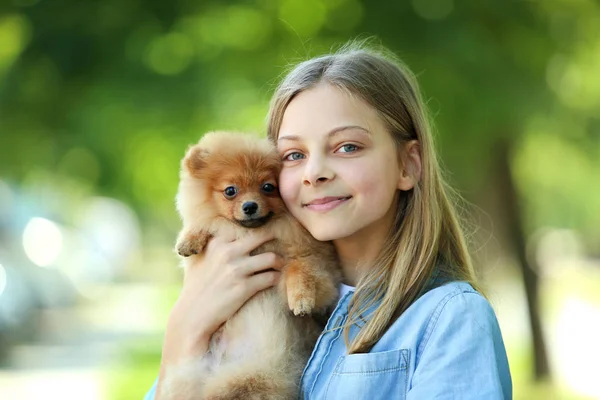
column 255, row 222
column 326, row 203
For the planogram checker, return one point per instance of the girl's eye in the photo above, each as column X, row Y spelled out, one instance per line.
column 295, row 156
column 268, row 188
column 230, row 192
column 348, row 148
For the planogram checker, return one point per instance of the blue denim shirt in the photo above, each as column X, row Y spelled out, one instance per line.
column 446, row 345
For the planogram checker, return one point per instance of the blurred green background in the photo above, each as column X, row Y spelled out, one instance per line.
column 99, row 100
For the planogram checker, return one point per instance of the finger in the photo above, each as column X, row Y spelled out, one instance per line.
column 248, row 243
column 262, row 281
column 261, row 262
column 224, row 237
column 216, row 242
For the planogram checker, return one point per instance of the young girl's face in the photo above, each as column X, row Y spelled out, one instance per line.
column 341, row 169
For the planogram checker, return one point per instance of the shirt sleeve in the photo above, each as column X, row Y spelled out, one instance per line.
column 152, row 392
column 462, row 354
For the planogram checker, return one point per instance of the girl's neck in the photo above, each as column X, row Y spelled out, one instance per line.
column 355, row 256
column 357, row 253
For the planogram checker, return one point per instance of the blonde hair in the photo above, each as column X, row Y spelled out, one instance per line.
column 427, row 235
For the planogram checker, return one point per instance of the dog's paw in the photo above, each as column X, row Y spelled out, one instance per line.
column 186, row 249
column 301, row 306
column 192, row 243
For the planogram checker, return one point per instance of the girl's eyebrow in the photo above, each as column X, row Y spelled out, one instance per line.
column 330, row 134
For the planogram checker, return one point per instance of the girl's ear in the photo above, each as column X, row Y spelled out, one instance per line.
column 410, row 172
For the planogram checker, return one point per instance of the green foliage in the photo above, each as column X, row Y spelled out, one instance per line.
column 111, row 93
column 102, row 78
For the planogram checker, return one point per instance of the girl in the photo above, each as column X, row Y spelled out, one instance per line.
column 360, row 169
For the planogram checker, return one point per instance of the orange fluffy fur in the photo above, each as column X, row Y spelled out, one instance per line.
column 261, row 351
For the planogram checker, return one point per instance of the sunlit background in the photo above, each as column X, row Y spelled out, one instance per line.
column 99, row 99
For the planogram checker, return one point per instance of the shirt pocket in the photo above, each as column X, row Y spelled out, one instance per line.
column 370, row 376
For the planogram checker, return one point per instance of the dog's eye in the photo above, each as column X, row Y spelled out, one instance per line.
column 268, row 188
column 230, row 192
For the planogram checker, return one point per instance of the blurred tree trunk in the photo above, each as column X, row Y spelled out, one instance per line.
column 516, row 237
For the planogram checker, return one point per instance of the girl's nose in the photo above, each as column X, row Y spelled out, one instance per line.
column 317, row 172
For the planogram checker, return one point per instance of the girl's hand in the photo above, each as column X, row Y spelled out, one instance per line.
column 214, row 289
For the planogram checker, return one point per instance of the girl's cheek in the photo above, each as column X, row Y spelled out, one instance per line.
column 287, row 188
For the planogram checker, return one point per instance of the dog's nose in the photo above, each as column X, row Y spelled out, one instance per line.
column 249, row 207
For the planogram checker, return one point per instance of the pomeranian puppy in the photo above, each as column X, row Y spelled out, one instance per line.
column 229, row 185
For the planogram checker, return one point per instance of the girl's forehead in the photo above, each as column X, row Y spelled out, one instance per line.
column 319, row 110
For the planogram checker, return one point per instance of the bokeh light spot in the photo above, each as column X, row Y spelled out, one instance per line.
column 82, row 163
column 170, row 54
column 305, row 18
column 246, row 28
column 42, row 241
column 2, row 279
column 433, row 9
column 14, row 36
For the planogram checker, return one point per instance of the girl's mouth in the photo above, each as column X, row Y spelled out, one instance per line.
column 326, row 203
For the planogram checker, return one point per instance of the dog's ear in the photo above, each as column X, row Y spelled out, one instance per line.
column 274, row 163
column 196, row 159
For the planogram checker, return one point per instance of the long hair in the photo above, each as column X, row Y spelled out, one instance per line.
column 427, row 234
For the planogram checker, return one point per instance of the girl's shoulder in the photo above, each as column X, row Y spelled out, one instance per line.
column 457, row 301
column 451, row 331
column 440, row 295
column 447, row 344
column 452, row 308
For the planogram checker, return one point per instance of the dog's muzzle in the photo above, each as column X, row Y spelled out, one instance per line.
column 255, row 222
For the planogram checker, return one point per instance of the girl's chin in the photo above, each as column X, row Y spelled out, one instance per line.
column 325, row 235
column 324, row 230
